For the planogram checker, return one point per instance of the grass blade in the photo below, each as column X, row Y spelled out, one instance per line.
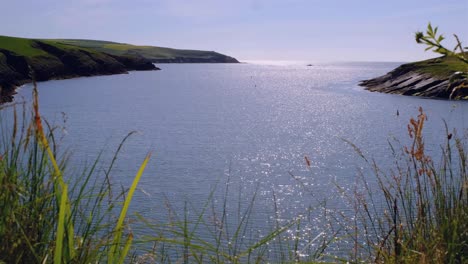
column 119, row 227
column 124, row 253
column 61, row 227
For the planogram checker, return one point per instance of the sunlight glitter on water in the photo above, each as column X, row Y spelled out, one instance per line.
column 251, row 123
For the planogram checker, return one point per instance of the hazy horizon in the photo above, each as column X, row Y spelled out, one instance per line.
column 249, row 30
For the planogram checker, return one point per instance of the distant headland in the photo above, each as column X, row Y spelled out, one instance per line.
column 444, row 77
column 49, row 59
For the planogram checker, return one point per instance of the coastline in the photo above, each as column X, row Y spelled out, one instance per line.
column 7, row 93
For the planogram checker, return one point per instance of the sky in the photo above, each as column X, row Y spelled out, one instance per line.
column 304, row 30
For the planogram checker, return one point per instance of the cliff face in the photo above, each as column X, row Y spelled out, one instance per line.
column 438, row 78
column 55, row 62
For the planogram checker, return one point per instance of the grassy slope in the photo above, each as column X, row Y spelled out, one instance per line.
column 148, row 52
column 26, row 47
column 441, row 67
column 20, row 46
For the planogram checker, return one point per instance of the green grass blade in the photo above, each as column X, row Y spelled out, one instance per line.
column 124, row 253
column 63, row 194
column 61, row 227
column 267, row 238
column 119, row 227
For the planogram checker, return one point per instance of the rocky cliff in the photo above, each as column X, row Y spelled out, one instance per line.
column 56, row 62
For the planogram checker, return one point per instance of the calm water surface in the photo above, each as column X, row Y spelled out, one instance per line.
column 250, row 123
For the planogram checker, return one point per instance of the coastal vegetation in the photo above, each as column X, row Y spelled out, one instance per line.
column 434, row 43
column 425, row 216
column 46, row 216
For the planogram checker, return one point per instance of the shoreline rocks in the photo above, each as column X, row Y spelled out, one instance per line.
column 411, row 79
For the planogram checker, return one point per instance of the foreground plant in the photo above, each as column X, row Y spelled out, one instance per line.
column 458, row 81
column 424, row 212
column 433, row 41
column 417, row 211
column 45, row 217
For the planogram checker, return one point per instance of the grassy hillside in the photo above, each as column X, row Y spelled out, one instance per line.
column 155, row 54
column 48, row 59
column 442, row 66
column 20, row 46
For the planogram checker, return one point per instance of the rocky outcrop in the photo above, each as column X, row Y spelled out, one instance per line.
column 13, row 72
column 135, row 62
column 408, row 79
column 58, row 63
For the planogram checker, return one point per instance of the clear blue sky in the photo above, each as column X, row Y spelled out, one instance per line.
column 314, row 30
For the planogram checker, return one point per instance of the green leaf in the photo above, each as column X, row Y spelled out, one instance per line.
column 441, row 37
column 430, row 31
column 126, row 249
column 267, row 238
column 61, row 227
column 118, row 231
column 442, row 51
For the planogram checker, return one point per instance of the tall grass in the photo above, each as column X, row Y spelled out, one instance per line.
column 416, row 213
column 50, row 215
column 424, row 212
column 46, row 217
column 214, row 233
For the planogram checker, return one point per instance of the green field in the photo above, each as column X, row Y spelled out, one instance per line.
column 442, row 66
column 27, row 48
column 155, row 54
column 20, row 46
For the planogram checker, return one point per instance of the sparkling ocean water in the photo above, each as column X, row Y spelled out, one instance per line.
column 248, row 126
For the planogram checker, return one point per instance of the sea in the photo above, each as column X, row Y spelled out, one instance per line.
column 265, row 144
